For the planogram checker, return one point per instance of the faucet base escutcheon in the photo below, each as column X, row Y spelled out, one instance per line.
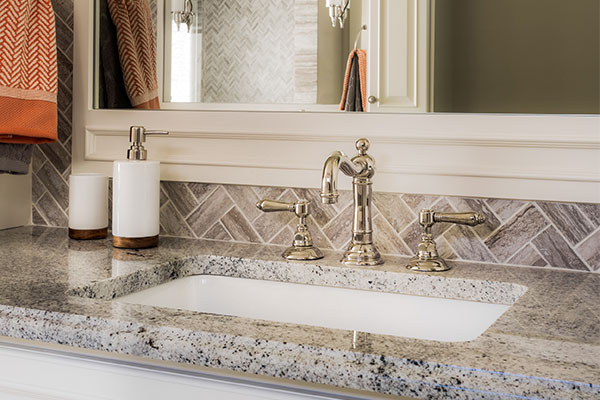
column 362, row 254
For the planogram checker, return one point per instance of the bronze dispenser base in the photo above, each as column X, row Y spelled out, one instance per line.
column 135, row 243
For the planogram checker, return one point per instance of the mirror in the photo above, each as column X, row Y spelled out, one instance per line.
column 500, row 56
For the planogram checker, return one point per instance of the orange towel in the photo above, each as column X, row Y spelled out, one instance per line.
column 28, row 72
column 137, row 50
column 362, row 66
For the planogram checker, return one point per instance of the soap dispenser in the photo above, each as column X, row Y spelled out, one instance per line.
column 136, row 195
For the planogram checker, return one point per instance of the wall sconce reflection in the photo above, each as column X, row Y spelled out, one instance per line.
column 338, row 11
column 186, row 16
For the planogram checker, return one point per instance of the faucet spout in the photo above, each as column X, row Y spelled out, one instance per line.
column 361, row 168
column 335, row 162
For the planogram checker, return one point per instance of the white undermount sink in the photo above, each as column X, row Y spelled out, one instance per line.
column 394, row 314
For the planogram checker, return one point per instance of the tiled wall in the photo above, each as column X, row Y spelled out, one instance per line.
column 259, row 51
column 517, row 232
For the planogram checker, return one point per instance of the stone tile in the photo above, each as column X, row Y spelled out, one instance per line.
column 285, row 237
column 51, row 212
column 163, row 197
column 267, row 192
column 339, row 229
column 466, row 245
column 55, row 184
column 64, row 35
column 63, row 8
column 173, row 223
column 346, row 198
column 394, row 210
column 36, row 218
column 239, row 227
column 322, row 213
column 57, row 155
column 269, row 224
column 37, row 188
column 245, row 198
column 592, row 211
column 417, row 202
column 202, row 190
column 557, row 251
column 444, row 249
column 504, row 208
column 64, row 129
column 64, row 98
column 37, row 159
column 513, row 235
column 569, row 220
column 386, row 239
column 209, row 212
column 218, row 232
column 182, row 198
column 65, row 68
column 468, row 204
column 589, row 249
column 528, row 256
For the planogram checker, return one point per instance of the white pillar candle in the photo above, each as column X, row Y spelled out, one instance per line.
column 88, row 202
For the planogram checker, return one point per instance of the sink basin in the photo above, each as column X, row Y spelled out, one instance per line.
column 419, row 317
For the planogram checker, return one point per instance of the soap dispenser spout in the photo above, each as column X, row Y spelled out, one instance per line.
column 137, row 136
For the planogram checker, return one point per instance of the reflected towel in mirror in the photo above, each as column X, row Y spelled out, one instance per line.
column 354, row 95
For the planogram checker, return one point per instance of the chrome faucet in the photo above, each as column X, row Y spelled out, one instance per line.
column 361, row 168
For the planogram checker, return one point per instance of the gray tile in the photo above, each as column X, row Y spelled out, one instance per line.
column 218, row 232
column 477, row 205
column 37, row 188
column 209, row 212
column 592, row 211
column 322, row 213
column 386, row 239
column 64, row 98
column 589, row 249
column 57, row 155
column 245, row 198
column 173, row 223
column 504, row 208
column 163, row 197
column 182, row 198
column 51, row 211
column 202, row 190
column 466, row 244
column 557, row 251
column 239, row 227
column 65, row 68
column 63, row 8
column 36, row 218
column 55, row 184
column 285, row 237
column 268, row 192
column 64, row 129
column 394, row 210
column 513, row 235
column 444, row 249
column 346, row 198
column 64, row 35
column 569, row 220
column 528, row 256
column 37, row 159
column 416, row 202
column 269, row 224
column 339, row 229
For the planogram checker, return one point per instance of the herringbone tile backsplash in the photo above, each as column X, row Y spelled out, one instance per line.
column 542, row 234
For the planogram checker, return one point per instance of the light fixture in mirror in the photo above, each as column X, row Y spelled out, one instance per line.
column 508, row 56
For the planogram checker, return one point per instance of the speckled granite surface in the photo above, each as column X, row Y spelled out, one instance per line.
column 547, row 345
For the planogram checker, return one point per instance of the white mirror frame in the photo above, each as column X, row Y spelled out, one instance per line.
column 537, row 157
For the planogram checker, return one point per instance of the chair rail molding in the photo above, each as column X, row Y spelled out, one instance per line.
column 537, row 157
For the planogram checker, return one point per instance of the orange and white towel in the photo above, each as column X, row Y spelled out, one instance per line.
column 28, row 72
column 349, row 80
column 137, row 50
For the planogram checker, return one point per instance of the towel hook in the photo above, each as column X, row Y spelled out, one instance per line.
column 362, row 28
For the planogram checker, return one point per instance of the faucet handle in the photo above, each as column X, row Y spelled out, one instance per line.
column 427, row 258
column 302, row 247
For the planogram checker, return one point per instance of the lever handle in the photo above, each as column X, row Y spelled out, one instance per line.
column 156, row 133
column 467, row 218
column 273, row 206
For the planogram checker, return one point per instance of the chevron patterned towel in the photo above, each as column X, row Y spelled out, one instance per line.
column 28, row 72
column 137, row 50
column 351, row 84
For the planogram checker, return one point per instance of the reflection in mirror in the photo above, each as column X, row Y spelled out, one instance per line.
column 513, row 56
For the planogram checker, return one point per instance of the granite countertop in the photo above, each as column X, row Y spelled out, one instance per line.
column 547, row 345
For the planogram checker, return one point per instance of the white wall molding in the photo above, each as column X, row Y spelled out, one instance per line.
column 538, row 157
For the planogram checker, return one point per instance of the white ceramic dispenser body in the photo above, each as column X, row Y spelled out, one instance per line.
column 136, row 202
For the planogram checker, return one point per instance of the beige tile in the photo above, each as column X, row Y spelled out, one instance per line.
column 238, row 227
column 590, row 250
column 209, row 212
column 394, row 210
column 557, row 251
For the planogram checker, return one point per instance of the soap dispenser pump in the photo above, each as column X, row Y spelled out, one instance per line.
column 136, row 195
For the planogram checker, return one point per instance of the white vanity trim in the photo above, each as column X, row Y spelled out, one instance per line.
column 540, row 157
